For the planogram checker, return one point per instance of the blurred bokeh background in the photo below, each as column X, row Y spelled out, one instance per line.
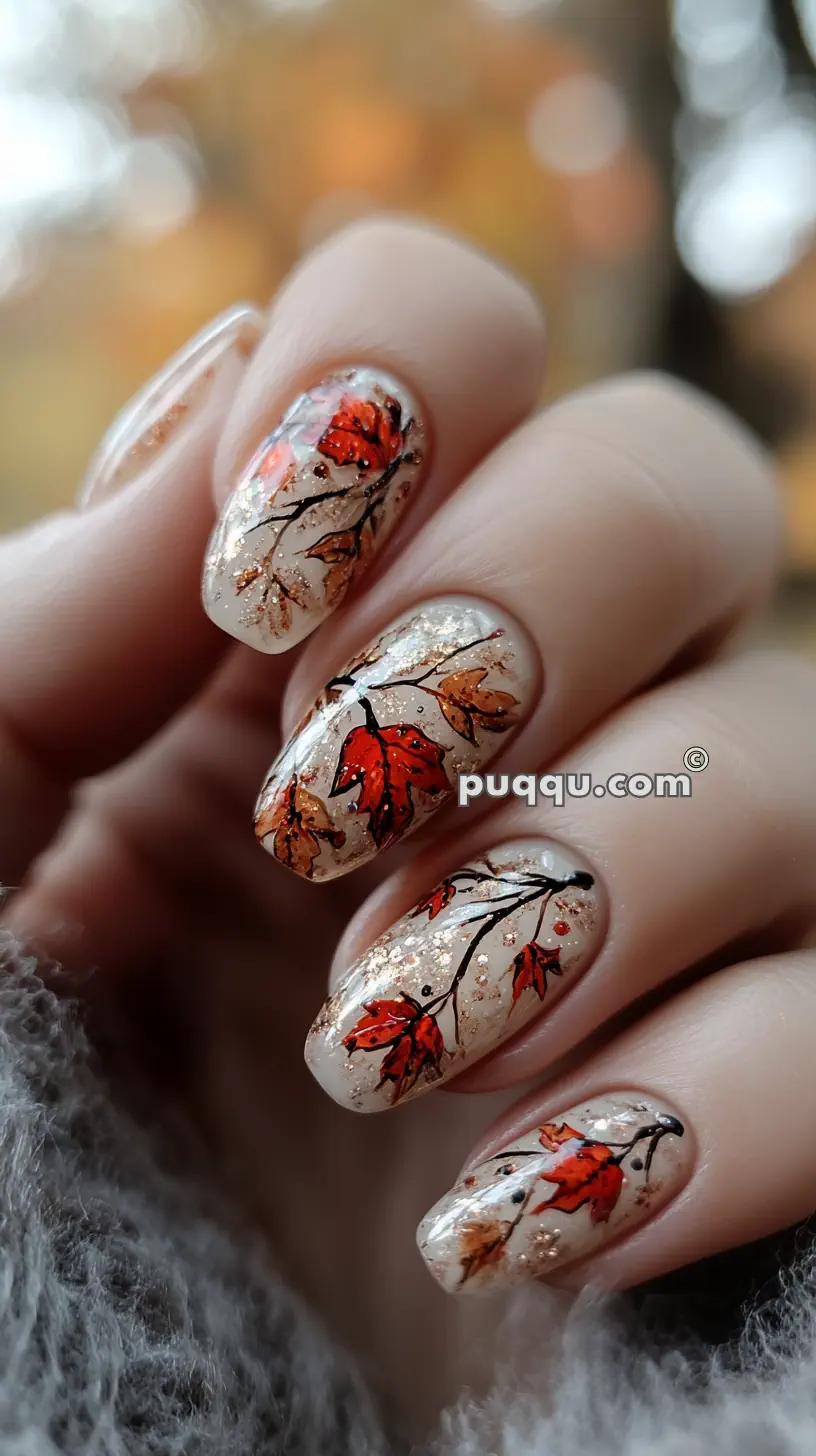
column 650, row 169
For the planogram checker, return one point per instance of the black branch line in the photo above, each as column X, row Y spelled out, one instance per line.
column 654, row 1131
column 373, row 492
column 663, row 1126
column 499, row 908
column 348, row 680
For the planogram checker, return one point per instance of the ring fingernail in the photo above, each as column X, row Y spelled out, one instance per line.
column 557, row 1193
column 493, row 946
column 315, row 503
column 162, row 410
column 380, row 751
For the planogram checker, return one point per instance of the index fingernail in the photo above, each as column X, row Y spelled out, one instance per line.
column 316, row 502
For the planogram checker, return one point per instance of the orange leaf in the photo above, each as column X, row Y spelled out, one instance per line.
column 436, row 901
column 276, row 468
column 552, row 1135
column 384, row 1022
column 389, row 764
column 419, row 1050
column 362, row 433
column 415, row 1041
column 531, row 967
column 298, row 821
column 590, row 1177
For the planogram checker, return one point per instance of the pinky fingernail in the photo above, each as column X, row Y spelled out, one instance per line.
column 160, row 412
column 556, row 1194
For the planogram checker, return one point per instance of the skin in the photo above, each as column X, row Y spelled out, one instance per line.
column 630, row 530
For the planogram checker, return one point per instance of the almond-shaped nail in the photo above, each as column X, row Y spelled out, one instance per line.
column 433, row 697
column 160, row 412
column 557, row 1193
column 493, row 946
column 316, row 502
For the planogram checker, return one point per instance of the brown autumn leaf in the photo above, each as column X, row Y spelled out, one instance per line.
column 280, row 592
column 345, row 553
column 467, row 705
column 481, row 1243
column 297, row 820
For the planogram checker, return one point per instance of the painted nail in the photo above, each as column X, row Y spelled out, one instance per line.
column 158, row 414
column 556, row 1194
column 315, row 503
column 381, row 749
column 496, row 944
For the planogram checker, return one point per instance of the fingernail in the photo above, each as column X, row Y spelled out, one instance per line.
column 316, row 502
column 159, row 413
column 557, row 1194
column 496, row 944
column 432, row 697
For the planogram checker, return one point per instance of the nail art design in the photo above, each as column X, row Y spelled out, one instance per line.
column 556, row 1194
column 318, row 499
column 483, row 954
column 382, row 747
column 158, row 413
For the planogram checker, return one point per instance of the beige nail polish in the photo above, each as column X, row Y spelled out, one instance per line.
column 557, row 1193
column 159, row 413
column 492, row 947
column 434, row 696
column 315, row 504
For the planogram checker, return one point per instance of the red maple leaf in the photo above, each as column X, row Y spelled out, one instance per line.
column 415, row 1041
column 364, row 434
column 588, row 1175
column 531, row 967
column 436, row 901
column 388, row 764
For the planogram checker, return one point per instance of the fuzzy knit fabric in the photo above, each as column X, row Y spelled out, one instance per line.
column 131, row 1322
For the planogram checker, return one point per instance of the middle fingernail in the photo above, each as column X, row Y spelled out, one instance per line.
column 431, row 698
column 464, row 970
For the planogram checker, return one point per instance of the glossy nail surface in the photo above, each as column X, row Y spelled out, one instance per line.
column 557, row 1193
column 493, row 946
column 158, row 414
column 315, row 503
column 380, row 751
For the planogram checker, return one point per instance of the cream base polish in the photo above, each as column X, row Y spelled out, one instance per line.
column 435, row 695
column 491, row 948
column 557, row 1193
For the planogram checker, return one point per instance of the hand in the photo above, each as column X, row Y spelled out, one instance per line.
column 559, row 591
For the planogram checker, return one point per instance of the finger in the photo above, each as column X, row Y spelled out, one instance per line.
column 157, row 419
column 541, row 924
column 618, row 528
column 395, row 358
column 730, row 1063
column 101, row 634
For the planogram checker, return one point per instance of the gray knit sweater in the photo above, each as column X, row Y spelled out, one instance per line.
column 132, row 1321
